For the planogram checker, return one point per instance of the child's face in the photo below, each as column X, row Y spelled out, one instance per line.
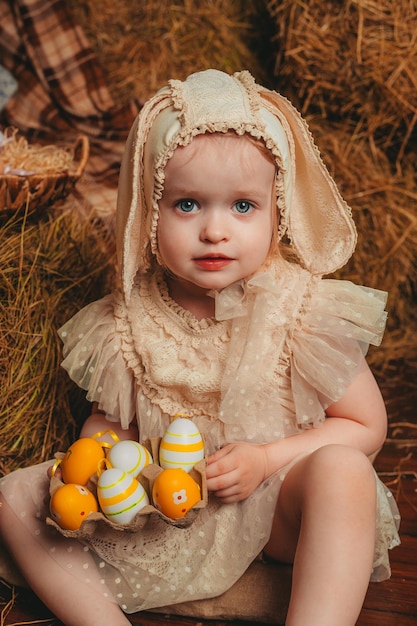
column 216, row 212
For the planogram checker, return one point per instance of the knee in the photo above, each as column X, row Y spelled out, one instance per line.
column 341, row 470
column 97, row 422
column 340, row 456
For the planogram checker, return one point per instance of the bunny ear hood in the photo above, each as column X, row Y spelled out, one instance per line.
column 312, row 214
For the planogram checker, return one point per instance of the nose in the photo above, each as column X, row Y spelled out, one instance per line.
column 214, row 226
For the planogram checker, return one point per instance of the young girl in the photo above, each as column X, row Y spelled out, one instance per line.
column 227, row 221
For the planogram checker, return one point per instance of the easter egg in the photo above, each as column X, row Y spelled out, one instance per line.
column 120, row 496
column 71, row 504
column 181, row 446
column 129, row 456
column 175, row 492
column 81, row 460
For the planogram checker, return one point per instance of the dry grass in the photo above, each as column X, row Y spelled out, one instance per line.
column 384, row 205
column 140, row 45
column 353, row 61
column 350, row 66
column 48, row 269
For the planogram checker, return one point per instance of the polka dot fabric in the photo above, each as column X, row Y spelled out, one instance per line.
column 280, row 350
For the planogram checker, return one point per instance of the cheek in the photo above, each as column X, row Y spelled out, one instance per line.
column 266, row 236
column 169, row 240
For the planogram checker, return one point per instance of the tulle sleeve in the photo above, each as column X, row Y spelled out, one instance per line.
column 330, row 342
column 93, row 359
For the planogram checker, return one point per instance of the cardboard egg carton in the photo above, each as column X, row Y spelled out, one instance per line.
column 98, row 521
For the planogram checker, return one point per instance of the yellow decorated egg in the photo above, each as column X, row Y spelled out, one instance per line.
column 175, row 492
column 71, row 504
column 120, row 496
column 81, row 460
column 181, row 446
column 129, row 456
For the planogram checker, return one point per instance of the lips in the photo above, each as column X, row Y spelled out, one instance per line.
column 213, row 262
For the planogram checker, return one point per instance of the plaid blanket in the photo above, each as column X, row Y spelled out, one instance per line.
column 62, row 92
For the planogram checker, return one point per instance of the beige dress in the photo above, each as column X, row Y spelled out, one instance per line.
column 277, row 354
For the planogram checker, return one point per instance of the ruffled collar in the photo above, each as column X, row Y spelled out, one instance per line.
column 237, row 299
column 225, row 367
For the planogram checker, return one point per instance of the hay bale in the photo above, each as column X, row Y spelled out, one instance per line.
column 48, row 270
column 140, row 45
column 384, row 207
column 351, row 69
column 354, row 61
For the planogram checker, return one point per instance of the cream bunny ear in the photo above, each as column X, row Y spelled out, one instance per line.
column 317, row 220
column 125, row 212
column 133, row 213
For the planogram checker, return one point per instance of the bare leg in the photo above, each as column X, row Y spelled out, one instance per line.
column 73, row 602
column 325, row 524
column 97, row 422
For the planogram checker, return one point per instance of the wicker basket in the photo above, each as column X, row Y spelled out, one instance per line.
column 37, row 191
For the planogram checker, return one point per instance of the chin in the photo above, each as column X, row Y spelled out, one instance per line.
column 200, row 285
column 222, row 285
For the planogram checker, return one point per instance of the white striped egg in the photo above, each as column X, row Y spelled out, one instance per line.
column 129, row 456
column 120, row 496
column 181, row 446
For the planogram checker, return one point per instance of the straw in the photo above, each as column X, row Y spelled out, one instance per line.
column 140, row 45
column 48, row 270
column 354, row 61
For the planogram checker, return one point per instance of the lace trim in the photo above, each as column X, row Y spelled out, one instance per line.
column 250, row 86
column 158, row 292
column 182, row 384
column 123, row 327
column 306, row 329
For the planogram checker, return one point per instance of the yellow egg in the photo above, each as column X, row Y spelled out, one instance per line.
column 129, row 456
column 81, row 461
column 120, row 496
column 71, row 504
column 181, row 446
column 175, row 492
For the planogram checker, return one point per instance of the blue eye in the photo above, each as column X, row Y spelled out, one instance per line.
column 186, row 206
column 243, row 206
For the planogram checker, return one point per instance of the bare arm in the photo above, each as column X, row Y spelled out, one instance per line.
column 358, row 420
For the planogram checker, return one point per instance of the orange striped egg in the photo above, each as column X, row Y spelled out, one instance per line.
column 129, row 456
column 181, row 446
column 120, row 496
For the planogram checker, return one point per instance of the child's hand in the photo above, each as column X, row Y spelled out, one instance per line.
column 236, row 470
